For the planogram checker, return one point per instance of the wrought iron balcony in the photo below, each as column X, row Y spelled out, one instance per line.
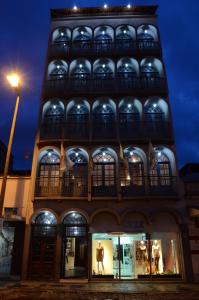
column 91, row 85
column 106, row 186
column 119, row 47
column 129, row 130
column 67, row 186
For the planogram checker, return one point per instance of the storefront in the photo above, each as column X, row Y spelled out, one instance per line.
column 134, row 256
column 89, row 253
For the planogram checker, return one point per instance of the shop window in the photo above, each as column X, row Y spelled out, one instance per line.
column 135, row 256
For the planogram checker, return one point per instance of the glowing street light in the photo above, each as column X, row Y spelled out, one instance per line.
column 14, row 81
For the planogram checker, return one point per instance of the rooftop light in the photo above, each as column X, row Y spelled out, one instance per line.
column 128, row 6
column 105, row 6
column 74, row 7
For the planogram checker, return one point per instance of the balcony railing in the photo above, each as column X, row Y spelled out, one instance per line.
column 68, row 186
column 128, row 130
column 134, row 186
column 96, row 48
column 91, row 85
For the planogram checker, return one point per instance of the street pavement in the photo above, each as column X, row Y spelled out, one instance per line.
column 31, row 290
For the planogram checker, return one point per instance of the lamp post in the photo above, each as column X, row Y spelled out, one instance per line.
column 14, row 81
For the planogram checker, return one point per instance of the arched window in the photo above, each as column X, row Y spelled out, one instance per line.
column 103, row 113
column 48, row 182
column 104, row 168
column 125, row 32
column 103, row 68
column 44, row 218
column 80, row 69
column 78, row 112
column 75, row 245
column 160, row 169
column 147, row 33
column 57, row 69
column 128, row 112
column 49, row 164
column 61, row 35
column 103, row 34
column 53, row 114
column 82, row 33
column 151, row 68
column 153, row 113
column 127, row 68
column 134, row 168
column 76, row 177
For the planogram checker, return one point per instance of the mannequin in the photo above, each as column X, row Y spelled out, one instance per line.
column 144, row 254
column 100, row 256
column 156, row 255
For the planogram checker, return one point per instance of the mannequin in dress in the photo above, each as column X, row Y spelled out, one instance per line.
column 156, row 255
column 100, row 256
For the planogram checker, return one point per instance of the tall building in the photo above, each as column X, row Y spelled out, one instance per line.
column 105, row 201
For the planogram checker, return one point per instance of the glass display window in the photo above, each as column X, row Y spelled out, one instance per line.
column 135, row 256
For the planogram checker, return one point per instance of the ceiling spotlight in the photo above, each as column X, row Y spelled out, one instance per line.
column 154, row 105
column 129, row 105
column 80, row 65
column 124, row 31
column 49, row 153
column 126, row 65
column 103, row 32
column 128, row 6
column 105, row 6
column 54, row 106
column 58, row 66
column 131, row 153
column 104, row 106
column 76, row 153
column 78, row 106
column 159, row 153
column 62, row 34
column 82, row 32
column 103, row 66
column 149, row 64
column 145, row 31
column 104, row 154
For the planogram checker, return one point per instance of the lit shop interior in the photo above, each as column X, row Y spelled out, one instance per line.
column 134, row 256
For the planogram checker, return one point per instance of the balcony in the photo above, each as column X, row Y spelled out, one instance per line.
column 128, row 130
column 55, row 186
column 104, row 48
column 137, row 186
column 144, row 85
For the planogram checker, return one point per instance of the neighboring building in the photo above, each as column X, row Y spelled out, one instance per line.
column 12, row 234
column 190, row 176
column 104, row 200
column 3, row 151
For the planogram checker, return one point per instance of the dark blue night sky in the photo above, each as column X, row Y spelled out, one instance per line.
column 24, row 29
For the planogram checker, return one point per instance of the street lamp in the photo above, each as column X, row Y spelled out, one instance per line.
column 14, row 82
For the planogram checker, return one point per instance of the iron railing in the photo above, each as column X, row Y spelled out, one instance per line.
column 66, row 86
column 106, row 186
column 96, row 48
column 128, row 130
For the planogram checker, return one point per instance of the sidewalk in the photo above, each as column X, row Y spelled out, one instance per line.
column 26, row 290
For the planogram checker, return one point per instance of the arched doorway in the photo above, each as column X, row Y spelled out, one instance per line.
column 43, row 246
column 75, row 246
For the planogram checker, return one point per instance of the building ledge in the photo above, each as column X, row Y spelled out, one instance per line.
column 100, row 11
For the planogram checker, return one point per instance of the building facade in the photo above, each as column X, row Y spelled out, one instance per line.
column 105, row 202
